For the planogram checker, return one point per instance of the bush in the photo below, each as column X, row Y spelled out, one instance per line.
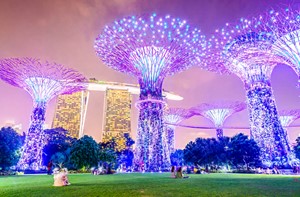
column 7, row 173
column 242, row 171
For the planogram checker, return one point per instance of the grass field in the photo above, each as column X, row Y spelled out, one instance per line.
column 136, row 184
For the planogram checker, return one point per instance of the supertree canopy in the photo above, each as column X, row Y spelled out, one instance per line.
column 286, row 118
column 42, row 81
column 284, row 25
column 246, row 50
column 218, row 112
column 173, row 116
column 150, row 47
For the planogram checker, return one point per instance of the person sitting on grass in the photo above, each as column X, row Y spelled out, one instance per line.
column 179, row 174
column 60, row 177
column 173, row 175
column 65, row 177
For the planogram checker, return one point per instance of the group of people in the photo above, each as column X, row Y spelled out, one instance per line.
column 268, row 171
column 177, row 172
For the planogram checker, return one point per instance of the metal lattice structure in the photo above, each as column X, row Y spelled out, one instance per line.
column 218, row 112
column 150, row 48
column 286, row 118
column 173, row 116
column 43, row 81
column 284, row 24
column 246, row 50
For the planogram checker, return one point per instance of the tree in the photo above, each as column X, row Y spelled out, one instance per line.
column 297, row 148
column 177, row 158
column 84, row 152
column 243, row 152
column 117, row 150
column 57, row 140
column 10, row 145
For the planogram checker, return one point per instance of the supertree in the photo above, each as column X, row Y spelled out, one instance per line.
column 150, row 48
column 173, row 116
column 218, row 112
column 286, row 118
column 42, row 81
column 284, row 24
column 246, row 50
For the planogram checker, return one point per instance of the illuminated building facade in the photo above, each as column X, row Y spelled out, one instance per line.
column 117, row 114
column 70, row 112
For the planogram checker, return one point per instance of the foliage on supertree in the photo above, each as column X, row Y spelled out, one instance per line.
column 218, row 112
column 42, row 81
column 284, row 24
column 173, row 116
column 246, row 50
column 150, row 48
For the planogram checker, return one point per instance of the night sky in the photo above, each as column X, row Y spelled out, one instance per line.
column 64, row 31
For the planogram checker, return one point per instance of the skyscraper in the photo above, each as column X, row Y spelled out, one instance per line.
column 70, row 112
column 117, row 113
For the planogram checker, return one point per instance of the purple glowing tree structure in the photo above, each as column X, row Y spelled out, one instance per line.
column 246, row 51
column 150, row 48
column 286, row 118
column 173, row 116
column 42, row 81
column 285, row 27
column 218, row 112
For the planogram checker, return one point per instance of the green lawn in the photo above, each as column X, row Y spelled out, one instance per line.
column 136, row 184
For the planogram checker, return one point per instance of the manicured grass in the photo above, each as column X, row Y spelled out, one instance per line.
column 136, row 184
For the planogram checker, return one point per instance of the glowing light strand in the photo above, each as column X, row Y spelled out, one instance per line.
column 42, row 81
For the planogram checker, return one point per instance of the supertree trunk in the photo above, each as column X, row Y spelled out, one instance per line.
column 265, row 127
column 151, row 146
column 31, row 157
column 171, row 138
column 219, row 132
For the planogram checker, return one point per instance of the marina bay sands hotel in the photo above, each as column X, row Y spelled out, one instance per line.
column 71, row 109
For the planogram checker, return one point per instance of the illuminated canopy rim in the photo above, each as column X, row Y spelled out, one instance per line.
column 286, row 117
column 42, row 80
column 165, row 45
column 176, row 115
column 217, row 112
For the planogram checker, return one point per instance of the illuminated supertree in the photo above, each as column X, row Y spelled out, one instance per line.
column 218, row 112
column 286, row 118
column 150, row 48
column 246, row 50
column 42, row 81
column 173, row 116
column 284, row 24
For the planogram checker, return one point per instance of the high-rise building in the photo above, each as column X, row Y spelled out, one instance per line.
column 117, row 111
column 70, row 112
